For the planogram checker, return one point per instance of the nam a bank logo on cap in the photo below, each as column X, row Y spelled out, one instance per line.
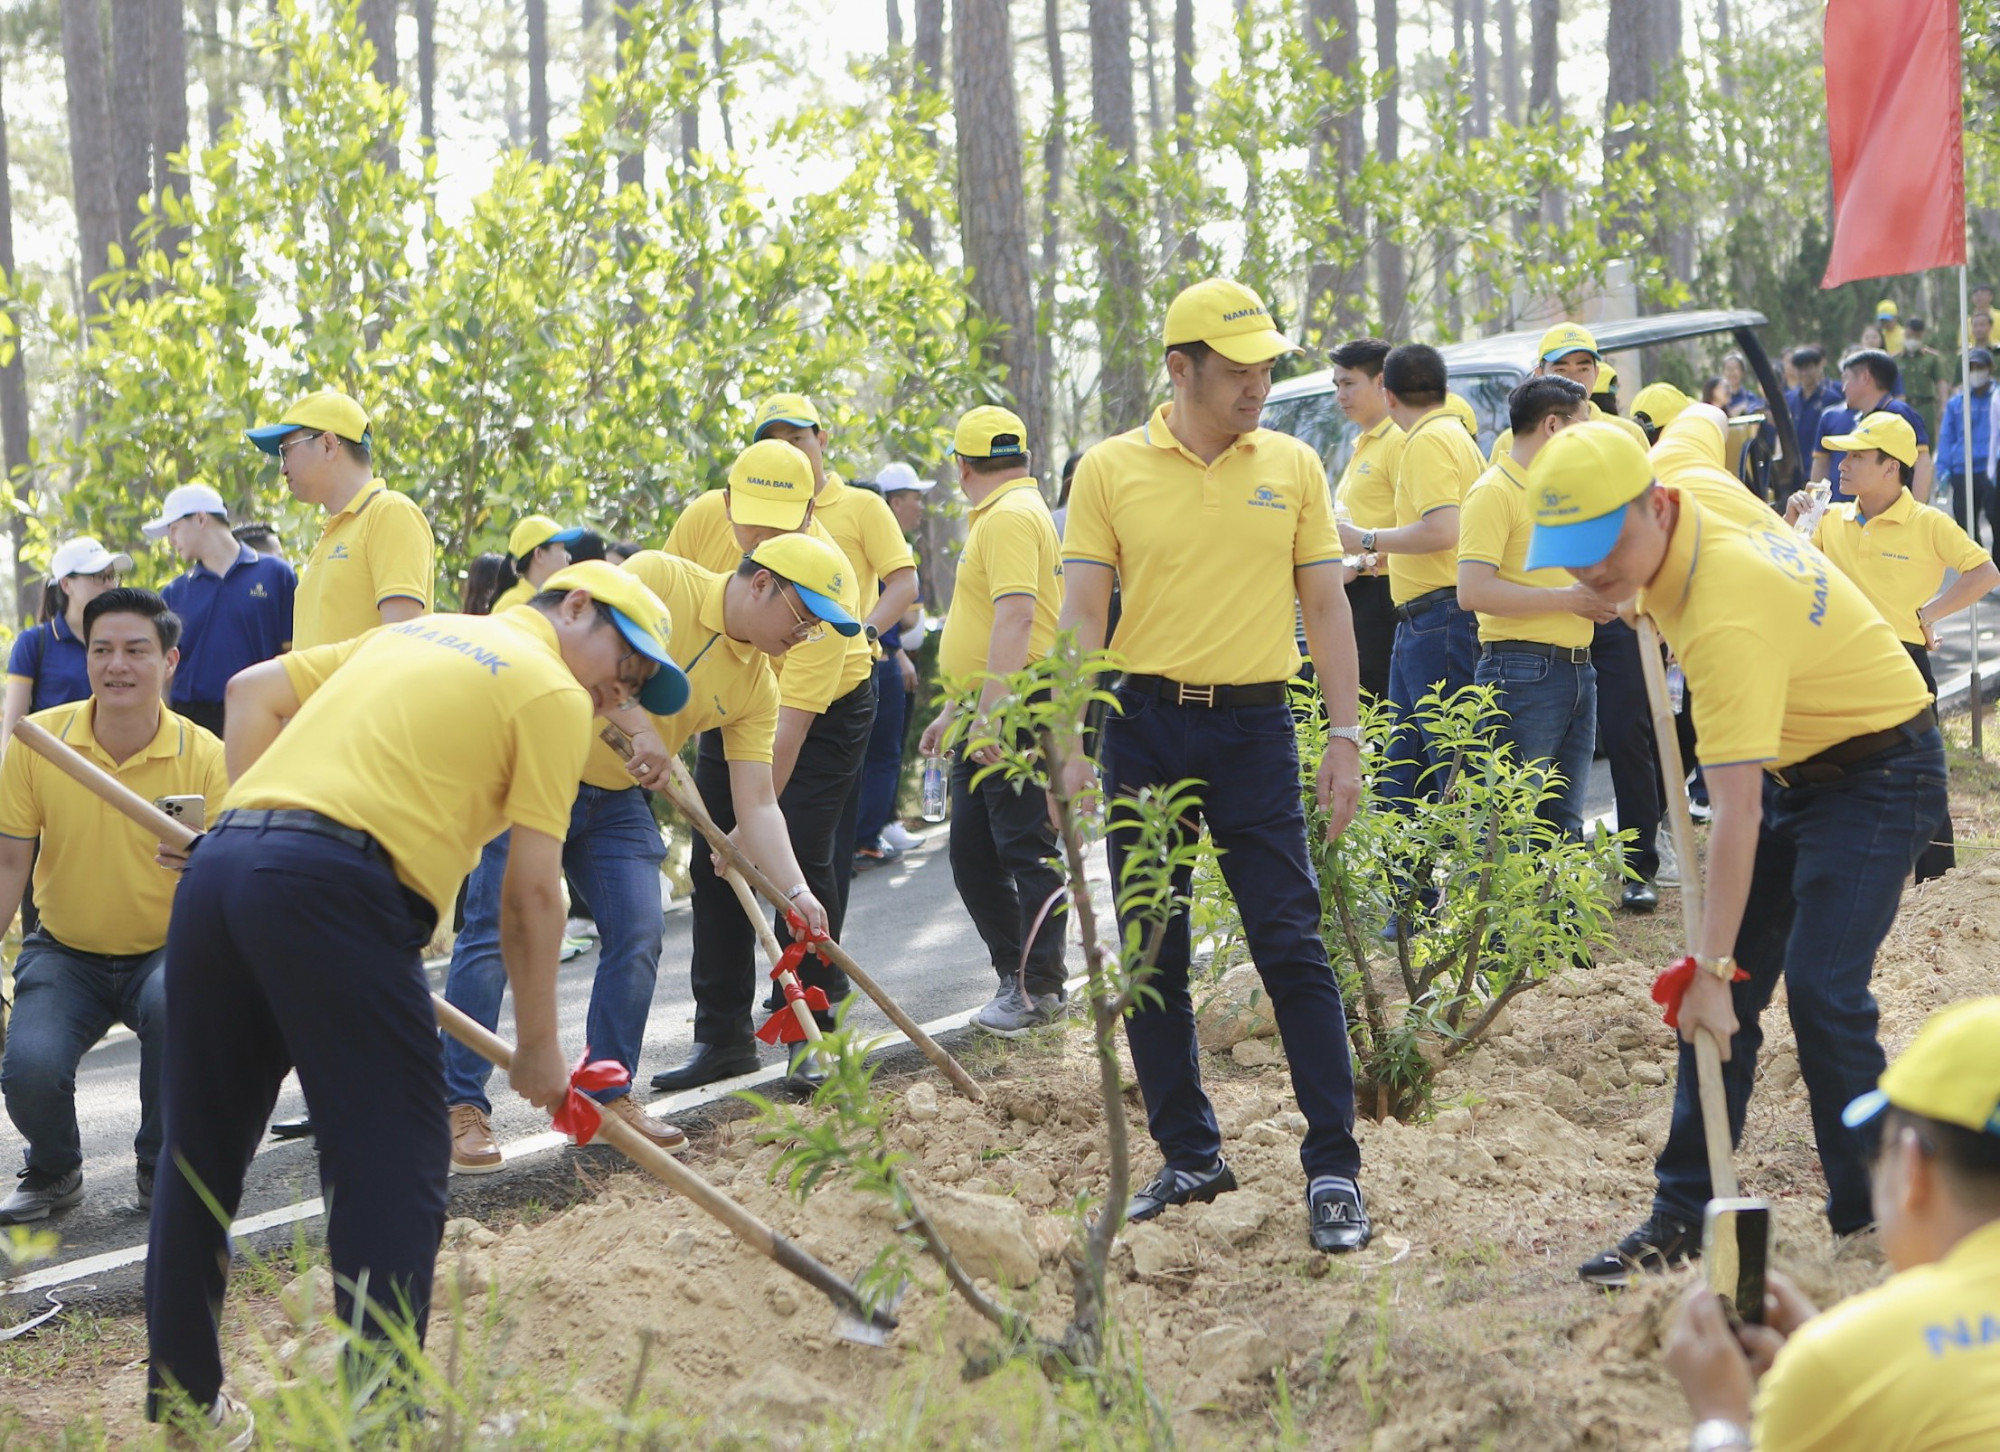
column 763, row 483
column 1265, row 497
column 338, row 552
column 1557, row 505
column 836, row 583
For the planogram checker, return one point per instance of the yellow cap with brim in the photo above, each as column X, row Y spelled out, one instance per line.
column 1582, row 481
column 1949, row 1072
column 817, row 571
column 1659, row 404
column 789, row 408
column 770, row 484
column 1889, row 432
column 534, row 532
column 990, row 432
column 1607, row 377
column 327, row 411
column 1230, row 318
column 1567, row 338
column 642, row 618
column 1885, row 309
column 1460, row 408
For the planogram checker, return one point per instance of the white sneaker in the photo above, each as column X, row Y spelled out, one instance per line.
column 1669, row 874
column 580, row 928
column 901, row 837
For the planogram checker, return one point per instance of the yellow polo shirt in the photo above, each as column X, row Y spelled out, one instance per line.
column 1204, row 552
column 1367, row 492
column 433, row 736
column 379, row 547
column 1689, row 457
column 1010, row 549
column 1503, row 447
column 518, row 593
column 96, row 883
column 1910, row 1366
column 1899, row 557
column 867, row 533
column 1440, row 462
column 730, row 683
column 1493, row 528
column 1784, row 655
column 812, row 675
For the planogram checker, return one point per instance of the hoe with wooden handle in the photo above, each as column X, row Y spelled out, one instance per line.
column 855, row 1321
column 1707, row 1056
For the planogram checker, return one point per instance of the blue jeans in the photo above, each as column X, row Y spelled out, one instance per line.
column 64, row 1000
column 882, row 767
column 1829, row 877
column 613, row 851
column 1437, row 646
column 1551, row 717
column 1247, row 761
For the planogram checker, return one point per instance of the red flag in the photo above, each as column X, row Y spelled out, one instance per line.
column 1892, row 116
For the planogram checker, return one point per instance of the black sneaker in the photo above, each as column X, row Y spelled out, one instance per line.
column 143, row 1178
column 1337, row 1221
column 1660, row 1243
column 38, row 1195
column 1164, row 1190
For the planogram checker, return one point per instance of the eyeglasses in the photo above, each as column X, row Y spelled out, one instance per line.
column 285, row 448
column 804, row 629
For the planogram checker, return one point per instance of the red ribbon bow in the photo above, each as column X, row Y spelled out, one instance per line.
column 1672, row 986
column 581, row 1116
column 784, row 1026
column 804, row 933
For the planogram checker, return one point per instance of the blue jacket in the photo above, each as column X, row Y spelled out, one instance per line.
column 1951, row 433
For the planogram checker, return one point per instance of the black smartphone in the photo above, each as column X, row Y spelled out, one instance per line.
column 1735, row 1250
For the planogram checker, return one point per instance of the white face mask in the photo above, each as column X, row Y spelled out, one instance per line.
column 1980, row 377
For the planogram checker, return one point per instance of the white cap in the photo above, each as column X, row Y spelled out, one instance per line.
column 186, row 500
column 895, row 477
column 85, row 556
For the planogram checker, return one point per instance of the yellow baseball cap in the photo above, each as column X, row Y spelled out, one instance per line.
column 1891, row 433
column 642, row 618
column 1581, row 482
column 771, row 484
column 534, row 532
column 1949, row 1072
column 791, row 408
column 1567, row 338
column 817, row 571
column 328, row 410
column 1885, row 308
column 1607, row 376
column 1659, row 404
column 990, row 432
column 1230, row 318
column 1460, row 408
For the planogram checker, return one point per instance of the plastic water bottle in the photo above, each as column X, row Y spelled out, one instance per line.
column 1821, row 498
column 1676, row 687
column 934, row 788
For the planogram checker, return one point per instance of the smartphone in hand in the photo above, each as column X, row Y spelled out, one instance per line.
column 190, row 811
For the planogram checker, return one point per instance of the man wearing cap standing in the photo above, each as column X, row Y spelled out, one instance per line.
column 1205, row 516
column 1888, row 319
column 536, row 547
column 1972, row 487
column 1867, row 383
column 1569, row 350
column 368, row 776
column 1004, row 605
column 826, row 708
column 234, row 604
column 1913, row 1364
column 375, row 563
column 1826, row 774
column 876, row 829
column 1366, row 498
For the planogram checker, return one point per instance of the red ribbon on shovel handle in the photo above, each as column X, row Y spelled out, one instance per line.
column 580, row 1115
column 784, row 1026
column 1673, row 983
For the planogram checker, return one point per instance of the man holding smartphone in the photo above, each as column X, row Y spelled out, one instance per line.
column 95, row 959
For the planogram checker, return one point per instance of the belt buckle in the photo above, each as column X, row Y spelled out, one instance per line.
column 1196, row 696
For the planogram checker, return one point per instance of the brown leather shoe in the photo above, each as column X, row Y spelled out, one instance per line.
column 666, row 1136
column 473, row 1149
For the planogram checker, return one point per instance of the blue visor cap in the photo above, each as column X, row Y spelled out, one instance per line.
column 828, row 609
column 1575, row 546
column 667, row 691
column 268, row 437
column 567, row 536
column 1865, row 1108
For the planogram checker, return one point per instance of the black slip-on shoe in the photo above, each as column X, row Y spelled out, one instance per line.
column 1337, row 1221
column 1639, row 897
column 708, row 1064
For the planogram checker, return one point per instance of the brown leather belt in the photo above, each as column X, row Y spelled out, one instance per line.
column 1832, row 763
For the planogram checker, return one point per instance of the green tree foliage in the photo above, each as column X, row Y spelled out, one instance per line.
column 567, row 347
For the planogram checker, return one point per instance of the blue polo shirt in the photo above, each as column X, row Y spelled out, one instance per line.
column 55, row 660
column 229, row 621
column 1844, row 421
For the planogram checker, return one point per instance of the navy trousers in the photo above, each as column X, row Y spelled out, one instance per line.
column 1247, row 761
column 1625, row 730
column 293, row 950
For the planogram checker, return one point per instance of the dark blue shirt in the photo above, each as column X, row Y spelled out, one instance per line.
column 229, row 621
column 1806, row 411
column 1843, row 420
column 55, row 661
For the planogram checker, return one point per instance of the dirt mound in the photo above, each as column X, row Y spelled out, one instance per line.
column 1463, row 1326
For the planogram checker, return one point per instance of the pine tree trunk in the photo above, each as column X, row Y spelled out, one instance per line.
column 1725, row 49
column 13, row 393
column 1121, row 306
column 427, row 71
column 378, row 23
column 721, row 86
column 689, row 117
column 1184, row 76
column 632, row 163
column 538, row 79
column 1544, row 88
column 168, row 86
column 927, row 74
column 1482, row 69
column 1055, row 159
column 93, row 181
column 131, row 103
column 214, row 69
column 1510, row 62
column 1392, row 278
column 1333, row 299
column 895, row 25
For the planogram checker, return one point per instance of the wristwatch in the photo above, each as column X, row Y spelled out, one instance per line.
column 1367, row 541
column 1346, row 733
column 1723, row 967
column 1718, row 1435
column 872, row 633
column 793, row 895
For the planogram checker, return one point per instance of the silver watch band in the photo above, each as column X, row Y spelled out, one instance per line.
column 1719, row 1435
column 1346, row 733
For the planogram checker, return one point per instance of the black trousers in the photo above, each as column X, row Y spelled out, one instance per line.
column 1625, row 727
column 724, row 973
column 289, row 949
column 850, row 813
column 1374, row 630
column 1002, row 848
column 1940, row 855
